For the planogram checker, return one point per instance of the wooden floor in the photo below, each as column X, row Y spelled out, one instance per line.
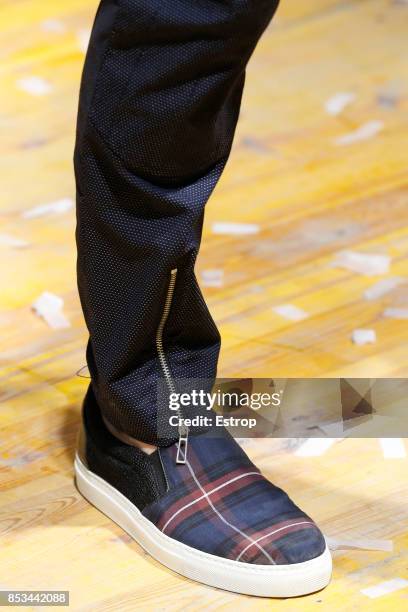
column 310, row 197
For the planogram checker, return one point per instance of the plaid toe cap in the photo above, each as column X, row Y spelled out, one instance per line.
column 287, row 542
column 230, row 510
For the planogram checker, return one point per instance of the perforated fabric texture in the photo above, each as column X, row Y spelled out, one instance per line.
column 159, row 101
column 138, row 476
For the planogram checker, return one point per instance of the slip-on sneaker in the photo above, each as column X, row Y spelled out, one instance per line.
column 210, row 516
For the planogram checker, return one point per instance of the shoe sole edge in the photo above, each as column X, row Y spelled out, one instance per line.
column 245, row 578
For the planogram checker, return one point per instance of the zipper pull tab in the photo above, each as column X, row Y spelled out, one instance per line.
column 182, row 445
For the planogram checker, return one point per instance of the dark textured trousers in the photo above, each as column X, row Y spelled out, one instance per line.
column 159, row 101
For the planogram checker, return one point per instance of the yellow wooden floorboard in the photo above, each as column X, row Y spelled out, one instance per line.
column 310, row 198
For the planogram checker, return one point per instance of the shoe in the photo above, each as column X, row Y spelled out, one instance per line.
column 212, row 517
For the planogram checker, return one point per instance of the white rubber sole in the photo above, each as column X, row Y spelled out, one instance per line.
column 246, row 578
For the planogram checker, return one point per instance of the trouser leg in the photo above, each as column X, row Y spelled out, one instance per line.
column 159, row 101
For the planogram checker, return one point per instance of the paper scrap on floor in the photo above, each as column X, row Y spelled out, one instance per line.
column 364, row 132
column 291, row 312
column 337, row 103
column 49, row 306
column 212, row 278
column 357, row 543
column 363, row 336
column 52, row 208
column 369, row 264
column 234, row 229
column 396, row 313
column 12, row 241
column 34, row 85
column 382, row 287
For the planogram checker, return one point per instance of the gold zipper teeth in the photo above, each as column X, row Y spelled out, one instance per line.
column 159, row 333
column 183, row 430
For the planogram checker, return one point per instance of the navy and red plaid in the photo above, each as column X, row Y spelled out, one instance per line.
column 220, row 503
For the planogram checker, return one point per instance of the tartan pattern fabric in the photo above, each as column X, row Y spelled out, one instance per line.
column 219, row 503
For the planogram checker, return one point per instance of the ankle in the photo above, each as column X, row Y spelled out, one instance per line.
column 126, row 439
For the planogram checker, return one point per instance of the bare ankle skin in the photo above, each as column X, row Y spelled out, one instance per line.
column 123, row 437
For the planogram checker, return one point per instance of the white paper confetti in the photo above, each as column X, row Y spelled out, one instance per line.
column 383, row 588
column 363, row 263
column 52, row 208
column 212, row 278
column 383, row 287
column 314, row 447
column 364, row 132
column 363, row 336
column 13, row 242
column 83, row 37
column 393, row 448
column 396, row 313
column 53, row 25
column 291, row 312
column 234, row 229
column 49, row 306
column 338, row 102
column 34, row 85
column 359, row 544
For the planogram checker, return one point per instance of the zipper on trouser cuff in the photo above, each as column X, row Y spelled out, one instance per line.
column 182, row 429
